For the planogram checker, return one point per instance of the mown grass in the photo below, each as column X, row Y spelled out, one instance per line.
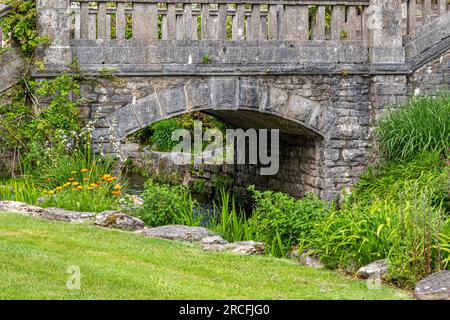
column 35, row 255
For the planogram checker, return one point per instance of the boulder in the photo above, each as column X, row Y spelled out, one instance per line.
column 214, row 243
column 176, row 232
column 118, row 220
column 46, row 213
column 218, row 244
column 246, row 247
column 375, row 269
column 307, row 259
column 434, row 287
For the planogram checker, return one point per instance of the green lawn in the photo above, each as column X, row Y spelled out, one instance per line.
column 35, row 255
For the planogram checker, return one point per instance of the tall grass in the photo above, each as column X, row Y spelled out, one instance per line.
column 421, row 125
column 230, row 223
column 397, row 212
column 19, row 189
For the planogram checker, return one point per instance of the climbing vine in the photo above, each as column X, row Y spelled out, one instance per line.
column 21, row 24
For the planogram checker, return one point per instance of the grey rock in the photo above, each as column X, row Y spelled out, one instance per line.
column 246, row 247
column 56, row 214
column 307, row 259
column 214, row 243
column 434, row 287
column 375, row 269
column 118, row 220
column 218, row 244
column 176, row 232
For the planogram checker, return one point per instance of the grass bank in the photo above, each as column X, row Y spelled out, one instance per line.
column 35, row 255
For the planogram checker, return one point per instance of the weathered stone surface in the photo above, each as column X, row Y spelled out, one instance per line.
column 434, row 287
column 218, row 244
column 46, row 213
column 118, row 220
column 308, row 260
column 177, row 232
column 375, row 269
column 246, row 247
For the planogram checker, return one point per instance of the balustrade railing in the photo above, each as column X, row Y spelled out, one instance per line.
column 417, row 13
column 240, row 20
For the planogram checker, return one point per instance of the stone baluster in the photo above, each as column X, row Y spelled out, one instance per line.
column 145, row 21
column 221, row 22
column 442, row 4
column 427, row 11
column 411, row 17
column 120, row 20
column 179, row 25
column 296, row 22
column 254, row 25
column 190, row 25
column 238, row 23
column 171, row 21
column 205, row 22
column 92, row 26
column 84, row 20
column 101, row 20
column 319, row 29
column 336, row 22
column 273, row 22
column 352, row 22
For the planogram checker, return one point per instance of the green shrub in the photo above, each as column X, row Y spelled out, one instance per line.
column 85, row 200
column 397, row 212
column 165, row 204
column 422, row 125
column 281, row 220
column 162, row 134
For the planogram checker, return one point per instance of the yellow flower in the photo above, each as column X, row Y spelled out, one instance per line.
column 51, row 192
column 85, row 179
column 75, row 183
column 93, row 185
column 84, row 170
column 71, row 179
column 80, row 187
column 117, row 187
column 116, row 193
column 59, row 188
column 66, row 184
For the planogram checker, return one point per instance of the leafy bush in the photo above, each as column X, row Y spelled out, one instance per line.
column 165, row 204
column 87, row 199
column 162, row 134
column 21, row 23
column 397, row 214
column 422, row 125
column 281, row 221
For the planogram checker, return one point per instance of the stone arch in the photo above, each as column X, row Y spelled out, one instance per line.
column 220, row 95
column 307, row 125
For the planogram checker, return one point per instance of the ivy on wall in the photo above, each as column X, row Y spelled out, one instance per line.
column 21, row 24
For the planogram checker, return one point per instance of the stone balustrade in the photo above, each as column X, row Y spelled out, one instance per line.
column 238, row 20
column 417, row 13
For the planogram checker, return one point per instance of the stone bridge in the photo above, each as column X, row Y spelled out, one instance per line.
column 321, row 71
